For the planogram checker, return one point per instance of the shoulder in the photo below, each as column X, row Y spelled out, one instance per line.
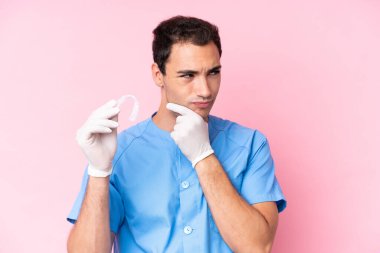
column 245, row 136
column 129, row 135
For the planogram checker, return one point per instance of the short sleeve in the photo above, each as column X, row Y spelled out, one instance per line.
column 259, row 182
column 116, row 205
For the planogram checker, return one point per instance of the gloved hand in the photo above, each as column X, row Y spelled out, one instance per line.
column 191, row 134
column 98, row 139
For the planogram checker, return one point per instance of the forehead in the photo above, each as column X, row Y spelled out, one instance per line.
column 190, row 56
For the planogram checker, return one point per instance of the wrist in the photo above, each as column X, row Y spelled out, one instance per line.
column 207, row 165
column 205, row 154
column 95, row 172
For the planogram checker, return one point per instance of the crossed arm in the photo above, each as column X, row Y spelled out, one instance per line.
column 245, row 228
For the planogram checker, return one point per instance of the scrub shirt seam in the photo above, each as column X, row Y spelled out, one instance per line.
column 125, row 149
column 235, row 142
column 260, row 147
column 223, row 129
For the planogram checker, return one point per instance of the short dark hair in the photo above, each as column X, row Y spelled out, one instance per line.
column 181, row 29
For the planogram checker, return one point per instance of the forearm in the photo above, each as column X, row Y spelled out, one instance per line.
column 91, row 232
column 242, row 227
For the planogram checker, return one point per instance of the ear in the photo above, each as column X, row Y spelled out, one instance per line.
column 157, row 76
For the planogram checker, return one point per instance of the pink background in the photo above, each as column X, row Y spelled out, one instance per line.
column 305, row 74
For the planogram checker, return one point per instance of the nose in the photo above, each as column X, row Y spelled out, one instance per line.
column 202, row 88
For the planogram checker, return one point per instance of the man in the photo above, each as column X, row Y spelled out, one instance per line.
column 182, row 180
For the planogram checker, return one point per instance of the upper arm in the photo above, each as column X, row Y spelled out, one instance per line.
column 270, row 212
column 260, row 183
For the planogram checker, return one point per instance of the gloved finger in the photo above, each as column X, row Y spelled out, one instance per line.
column 174, row 136
column 176, row 127
column 121, row 100
column 115, row 118
column 98, row 129
column 85, row 133
column 110, row 104
column 180, row 119
column 104, row 122
column 105, row 113
column 179, row 109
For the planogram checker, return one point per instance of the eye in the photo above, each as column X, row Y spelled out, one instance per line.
column 214, row 72
column 187, row 76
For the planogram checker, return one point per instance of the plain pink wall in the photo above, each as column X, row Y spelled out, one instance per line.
column 305, row 74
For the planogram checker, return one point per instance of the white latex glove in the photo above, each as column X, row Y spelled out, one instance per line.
column 98, row 139
column 191, row 134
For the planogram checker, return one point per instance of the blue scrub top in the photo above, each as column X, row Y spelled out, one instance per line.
column 156, row 201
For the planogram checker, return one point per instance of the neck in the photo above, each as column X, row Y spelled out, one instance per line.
column 164, row 119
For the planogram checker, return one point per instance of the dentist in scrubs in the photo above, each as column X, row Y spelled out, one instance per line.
column 182, row 180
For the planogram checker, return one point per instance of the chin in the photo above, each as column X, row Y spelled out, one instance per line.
column 203, row 114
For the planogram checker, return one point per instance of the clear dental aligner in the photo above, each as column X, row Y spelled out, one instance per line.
column 136, row 106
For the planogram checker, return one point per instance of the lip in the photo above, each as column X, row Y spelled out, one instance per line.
column 202, row 104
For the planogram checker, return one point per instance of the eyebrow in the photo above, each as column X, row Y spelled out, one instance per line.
column 188, row 71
